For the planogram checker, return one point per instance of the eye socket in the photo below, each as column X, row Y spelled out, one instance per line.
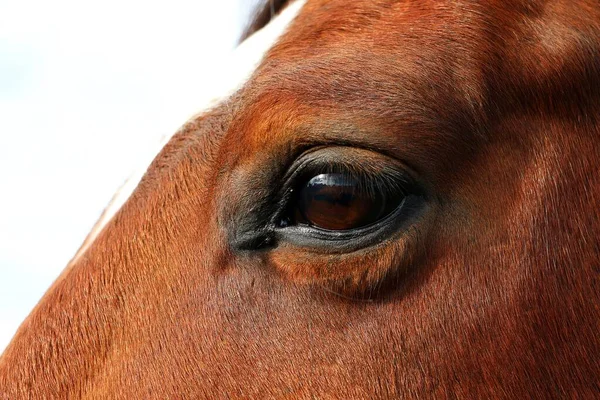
column 342, row 201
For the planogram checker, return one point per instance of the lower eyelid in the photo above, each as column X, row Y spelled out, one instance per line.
column 317, row 240
column 353, row 268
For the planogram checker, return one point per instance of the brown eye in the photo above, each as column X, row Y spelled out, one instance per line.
column 337, row 201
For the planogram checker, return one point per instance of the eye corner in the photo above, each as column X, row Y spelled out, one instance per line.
column 254, row 241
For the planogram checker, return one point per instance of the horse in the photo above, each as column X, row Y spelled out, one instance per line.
column 391, row 199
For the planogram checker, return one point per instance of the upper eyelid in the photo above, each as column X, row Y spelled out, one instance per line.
column 367, row 180
column 356, row 166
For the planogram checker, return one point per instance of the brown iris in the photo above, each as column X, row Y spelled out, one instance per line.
column 337, row 201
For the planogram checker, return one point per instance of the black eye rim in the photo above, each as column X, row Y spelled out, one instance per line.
column 318, row 239
column 327, row 242
column 347, row 234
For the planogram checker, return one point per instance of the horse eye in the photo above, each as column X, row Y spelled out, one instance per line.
column 337, row 201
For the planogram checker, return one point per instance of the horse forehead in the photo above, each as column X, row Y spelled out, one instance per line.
column 444, row 53
column 349, row 45
column 339, row 54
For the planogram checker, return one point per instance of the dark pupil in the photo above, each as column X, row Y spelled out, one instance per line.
column 336, row 202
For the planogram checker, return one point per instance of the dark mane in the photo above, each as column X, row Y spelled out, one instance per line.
column 264, row 12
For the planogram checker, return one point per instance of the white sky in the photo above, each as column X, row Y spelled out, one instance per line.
column 85, row 89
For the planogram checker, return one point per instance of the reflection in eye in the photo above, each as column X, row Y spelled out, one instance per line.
column 338, row 201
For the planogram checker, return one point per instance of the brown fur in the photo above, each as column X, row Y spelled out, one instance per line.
column 493, row 293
